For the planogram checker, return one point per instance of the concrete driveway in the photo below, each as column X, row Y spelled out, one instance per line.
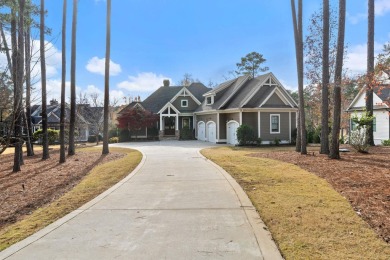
column 175, row 205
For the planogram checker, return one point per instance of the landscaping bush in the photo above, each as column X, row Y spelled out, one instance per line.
column 92, row 138
column 259, row 141
column 294, row 136
column 124, row 135
column 386, row 142
column 245, row 135
column 359, row 137
column 276, row 141
column 113, row 140
column 186, row 133
column 52, row 135
column 113, row 133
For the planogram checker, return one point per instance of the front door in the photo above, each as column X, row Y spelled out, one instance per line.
column 169, row 125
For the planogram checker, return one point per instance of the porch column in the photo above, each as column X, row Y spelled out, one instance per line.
column 177, row 123
column 289, row 126
column 258, row 124
column 161, row 123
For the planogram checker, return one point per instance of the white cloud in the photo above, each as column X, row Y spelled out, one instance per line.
column 143, row 82
column 96, row 65
column 286, row 85
column 355, row 19
column 382, row 7
column 356, row 60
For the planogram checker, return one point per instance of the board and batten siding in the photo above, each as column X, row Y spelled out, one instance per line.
column 265, row 131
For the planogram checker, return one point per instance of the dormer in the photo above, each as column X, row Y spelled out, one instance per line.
column 209, row 99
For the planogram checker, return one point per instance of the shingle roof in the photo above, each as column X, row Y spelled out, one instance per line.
column 163, row 95
column 383, row 92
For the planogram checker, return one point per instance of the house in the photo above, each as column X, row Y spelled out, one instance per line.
column 381, row 124
column 53, row 119
column 175, row 107
column 261, row 102
column 215, row 114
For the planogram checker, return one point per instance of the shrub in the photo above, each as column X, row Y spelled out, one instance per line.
column 259, row 141
column 113, row 140
column 52, row 135
column 245, row 135
column 92, row 138
column 294, row 136
column 186, row 133
column 386, row 142
column 359, row 137
column 276, row 141
column 124, row 135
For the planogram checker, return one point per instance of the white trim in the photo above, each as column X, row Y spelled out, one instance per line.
column 284, row 90
column 211, row 100
column 168, row 105
column 207, row 131
column 185, row 92
column 258, row 124
column 161, row 123
column 270, row 123
column 217, row 128
column 240, row 118
column 258, row 87
column 289, row 125
column 227, row 129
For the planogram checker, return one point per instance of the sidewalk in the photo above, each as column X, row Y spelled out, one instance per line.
column 175, row 205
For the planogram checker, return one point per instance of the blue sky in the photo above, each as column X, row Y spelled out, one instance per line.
column 154, row 40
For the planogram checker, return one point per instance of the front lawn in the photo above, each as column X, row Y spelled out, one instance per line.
column 306, row 216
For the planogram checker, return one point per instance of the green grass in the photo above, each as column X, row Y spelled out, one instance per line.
column 307, row 218
column 97, row 181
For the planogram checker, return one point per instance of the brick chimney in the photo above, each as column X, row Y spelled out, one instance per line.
column 166, row 82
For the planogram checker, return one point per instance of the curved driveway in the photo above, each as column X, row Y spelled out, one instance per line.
column 175, row 205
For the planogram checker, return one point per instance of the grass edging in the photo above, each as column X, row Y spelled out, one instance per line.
column 99, row 179
column 306, row 216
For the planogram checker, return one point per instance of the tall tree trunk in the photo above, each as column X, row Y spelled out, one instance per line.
column 370, row 68
column 30, row 148
column 298, row 138
column 107, row 80
column 63, row 82
column 325, row 79
column 72, row 123
column 334, row 149
column 17, row 94
column 45, row 141
column 298, row 35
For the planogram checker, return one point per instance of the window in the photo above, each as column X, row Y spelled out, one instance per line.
column 209, row 100
column 184, row 103
column 275, row 124
column 353, row 125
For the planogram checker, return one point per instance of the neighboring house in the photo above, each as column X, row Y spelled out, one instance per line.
column 53, row 119
column 215, row 114
column 381, row 122
column 261, row 102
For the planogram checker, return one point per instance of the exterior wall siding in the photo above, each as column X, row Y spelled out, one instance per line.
column 191, row 104
column 274, row 100
column 250, row 118
column 222, row 126
column 382, row 126
column 205, row 119
column 265, row 130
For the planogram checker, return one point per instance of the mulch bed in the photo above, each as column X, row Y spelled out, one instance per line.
column 41, row 182
column 364, row 179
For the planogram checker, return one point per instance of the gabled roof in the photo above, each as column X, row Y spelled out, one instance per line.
column 381, row 91
column 246, row 92
column 158, row 99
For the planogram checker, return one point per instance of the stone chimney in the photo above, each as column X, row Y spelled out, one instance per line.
column 166, row 82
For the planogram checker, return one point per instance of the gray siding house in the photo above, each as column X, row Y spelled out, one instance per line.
column 260, row 102
column 215, row 114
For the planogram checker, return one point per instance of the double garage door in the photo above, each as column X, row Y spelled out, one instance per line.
column 207, row 132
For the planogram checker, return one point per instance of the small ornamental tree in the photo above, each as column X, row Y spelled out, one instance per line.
column 359, row 137
column 136, row 119
column 245, row 134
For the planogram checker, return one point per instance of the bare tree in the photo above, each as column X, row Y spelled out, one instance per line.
column 107, row 80
column 71, row 148
column 298, row 36
column 370, row 69
column 63, row 79
column 334, row 149
column 325, row 79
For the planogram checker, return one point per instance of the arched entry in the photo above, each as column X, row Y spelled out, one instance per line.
column 231, row 132
column 211, row 132
column 201, row 131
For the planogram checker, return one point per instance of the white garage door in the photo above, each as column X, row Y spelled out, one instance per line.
column 211, row 132
column 201, row 131
column 232, row 132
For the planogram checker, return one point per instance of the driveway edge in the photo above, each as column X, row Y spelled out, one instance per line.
column 58, row 223
column 264, row 238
